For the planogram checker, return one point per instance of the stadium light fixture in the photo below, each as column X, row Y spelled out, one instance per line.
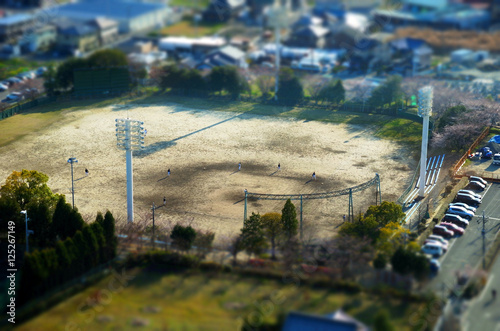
column 72, row 160
column 425, row 96
column 130, row 137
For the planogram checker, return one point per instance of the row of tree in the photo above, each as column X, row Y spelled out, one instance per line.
column 89, row 247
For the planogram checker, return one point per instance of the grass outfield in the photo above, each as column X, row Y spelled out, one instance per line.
column 187, row 29
column 202, row 302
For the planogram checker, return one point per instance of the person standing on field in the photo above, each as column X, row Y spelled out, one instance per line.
column 314, row 175
column 239, row 166
column 168, row 172
column 86, row 172
column 164, row 201
column 279, row 166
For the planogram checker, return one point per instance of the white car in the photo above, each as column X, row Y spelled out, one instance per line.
column 479, row 179
column 475, row 185
column 460, row 211
column 456, row 219
column 3, row 87
column 463, row 205
column 434, row 249
column 435, row 237
column 444, row 246
column 469, row 192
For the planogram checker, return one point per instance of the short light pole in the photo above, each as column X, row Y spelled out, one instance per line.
column 483, row 234
column 153, row 208
column 28, row 232
column 72, row 160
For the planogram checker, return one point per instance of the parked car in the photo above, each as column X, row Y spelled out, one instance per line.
column 479, row 179
column 468, row 199
column 475, row 185
column 13, row 97
column 453, row 228
column 486, row 153
column 434, row 265
column 455, row 219
column 438, row 238
column 40, row 71
column 3, row 88
column 460, row 211
column 433, row 249
column 442, row 231
column 14, row 80
column 474, row 194
column 444, row 247
column 461, row 204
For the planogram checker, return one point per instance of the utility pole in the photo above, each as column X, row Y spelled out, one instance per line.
column 424, row 110
column 483, row 233
column 28, row 232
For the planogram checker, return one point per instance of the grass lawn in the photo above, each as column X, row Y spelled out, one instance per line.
column 187, row 29
column 203, row 302
column 201, row 4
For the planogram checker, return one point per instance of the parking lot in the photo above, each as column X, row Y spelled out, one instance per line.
column 465, row 253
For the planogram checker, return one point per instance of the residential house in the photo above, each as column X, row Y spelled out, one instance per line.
column 75, row 38
column 338, row 320
column 227, row 55
column 311, row 36
column 132, row 16
column 13, row 27
column 222, row 10
column 306, row 21
column 107, row 30
column 40, row 39
column 422, row 57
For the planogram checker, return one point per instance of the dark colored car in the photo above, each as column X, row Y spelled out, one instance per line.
column 442, row 231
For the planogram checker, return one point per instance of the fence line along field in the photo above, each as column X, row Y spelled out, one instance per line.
column 202, row 149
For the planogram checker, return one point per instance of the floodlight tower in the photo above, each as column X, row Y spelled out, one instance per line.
column 130, row 136
column 424, row 111
column 277, row 19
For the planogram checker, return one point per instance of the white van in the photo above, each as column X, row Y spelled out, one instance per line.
column 496, row 159
column 435, row 250
column 479, row 179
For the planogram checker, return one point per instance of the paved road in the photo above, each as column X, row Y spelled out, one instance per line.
column 465, row 253
column 484, row 312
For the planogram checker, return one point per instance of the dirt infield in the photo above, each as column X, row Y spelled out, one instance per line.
column 203, row 149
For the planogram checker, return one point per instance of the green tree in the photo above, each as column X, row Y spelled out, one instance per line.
column 51, row 265
column 227, row 78
column 364, row 227
column 101, row 241
column 252, row 235
column 333, row 92
column 382, row 322
column 405, row 261
column 183, row 237
column 63, row 260
column 27, row 187
column 64, row 76
column 192, row 81
column 108, row 226
column 107, row 58
column 290, row 90
column 41, row 224
column 81, row 251
column 32, row 276
column 380, row 261
column 289, row 220
column 66, row 221
column 273, row 227
column 204, row 243
column 92, row 245
column 385, row 213
column 50, row 81
column 386, row 93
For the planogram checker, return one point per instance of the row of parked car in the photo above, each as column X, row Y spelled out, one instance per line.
column 455, row 221
column 11, row 82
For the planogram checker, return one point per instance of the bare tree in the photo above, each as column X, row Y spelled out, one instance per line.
column 314, row 84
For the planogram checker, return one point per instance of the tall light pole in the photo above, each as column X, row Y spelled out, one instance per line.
column 28, row 232
column 130, row 136
column 72, row 160
column 277, row 19
column 424, row 110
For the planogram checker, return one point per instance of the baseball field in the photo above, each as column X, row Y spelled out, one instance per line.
column 203, row 147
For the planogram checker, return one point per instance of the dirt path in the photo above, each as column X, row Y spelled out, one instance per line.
column 203, row 149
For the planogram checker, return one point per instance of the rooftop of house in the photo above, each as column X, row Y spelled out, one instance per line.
column 15, row 19
column 231, row 51
column 103, row 23
column 110, row 8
